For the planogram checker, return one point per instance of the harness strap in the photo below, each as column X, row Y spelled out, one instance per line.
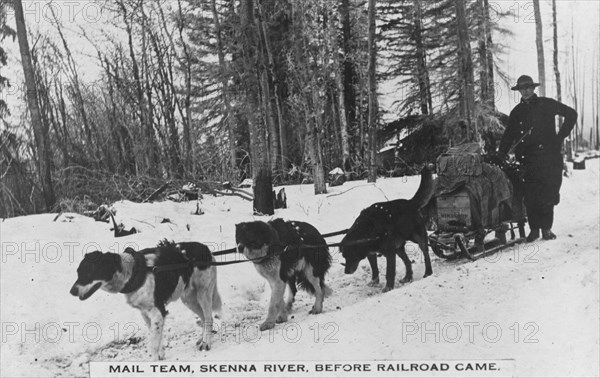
column 355, row 242
column 225, row 252
column 336, row 233
column 165, row 268
column 138, row 273
column 234, row 250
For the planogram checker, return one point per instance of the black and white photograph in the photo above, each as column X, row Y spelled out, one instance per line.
column 299, row 188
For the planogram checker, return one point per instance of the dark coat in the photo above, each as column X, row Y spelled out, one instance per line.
column 539, row 152
column 537, row 113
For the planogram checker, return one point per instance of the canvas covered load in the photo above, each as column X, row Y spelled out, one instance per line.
column 470, row 194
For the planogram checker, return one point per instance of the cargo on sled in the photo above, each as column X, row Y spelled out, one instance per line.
column 476, row 202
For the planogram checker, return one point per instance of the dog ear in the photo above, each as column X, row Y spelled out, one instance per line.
column 113, row 260
column 129, row 250
column 274, row 236
column 94, row 256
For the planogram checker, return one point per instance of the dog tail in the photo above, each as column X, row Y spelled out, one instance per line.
column 426, row 187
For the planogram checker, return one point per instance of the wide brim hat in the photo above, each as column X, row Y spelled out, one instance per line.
column 524, row 81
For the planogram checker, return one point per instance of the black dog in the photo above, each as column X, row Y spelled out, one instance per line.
column 286, row 252
column 385, row 227
column 187, row 275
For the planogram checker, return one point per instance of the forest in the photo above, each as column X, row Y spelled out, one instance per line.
column 213, row 91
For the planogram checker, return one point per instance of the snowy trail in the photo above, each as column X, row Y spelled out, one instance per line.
column 536, row 303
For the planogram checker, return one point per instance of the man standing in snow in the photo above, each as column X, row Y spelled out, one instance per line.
column 531, row 135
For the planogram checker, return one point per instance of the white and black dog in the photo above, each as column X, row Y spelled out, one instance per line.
column 153, row 277
column 286, row 252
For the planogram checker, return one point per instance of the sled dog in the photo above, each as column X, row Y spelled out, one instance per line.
column 385, row 227
column 153, row 277
column 286, row 253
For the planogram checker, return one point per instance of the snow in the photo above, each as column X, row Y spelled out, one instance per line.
column 536, row 303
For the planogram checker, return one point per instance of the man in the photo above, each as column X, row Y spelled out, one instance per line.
column 531, row 135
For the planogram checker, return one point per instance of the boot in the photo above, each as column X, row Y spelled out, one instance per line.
column 547, row 234
column 534, row 234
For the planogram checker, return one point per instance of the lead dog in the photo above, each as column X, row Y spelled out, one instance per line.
column 284, row 252
column 385, row 227
column 182, row 271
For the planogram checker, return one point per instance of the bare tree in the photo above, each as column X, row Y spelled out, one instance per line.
column 261, row 171
column 467, row 95
column 422, row 73
column 40, row 130
column 597, row 86
column 555, row 53
column 228, row 114
column 332, row 40
column 373, row 106
column 539, row 42
column 186, row 65
column 350, row 73
column 486, row 62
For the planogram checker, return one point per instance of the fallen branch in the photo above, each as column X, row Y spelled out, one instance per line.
column 157, row 192
column 242, row 195
column 346, row 191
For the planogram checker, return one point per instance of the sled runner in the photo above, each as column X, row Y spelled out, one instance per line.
column 474, row 198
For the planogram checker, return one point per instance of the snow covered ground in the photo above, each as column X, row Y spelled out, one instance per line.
column 536, row 303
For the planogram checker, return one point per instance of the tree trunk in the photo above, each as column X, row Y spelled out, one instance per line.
column 280, row 145
column 312, row 135
column 573, row 145
column 539, row 42
column 349, row 69
column 225, row 89
column 40, row 131
column 555, row 53
column 425, row 100
column 491, row 85
column 467, row 96
column 332, row 40
column 265, row 99
column 372, row 95
column 483, row 52
column 267, row 116
column 360, row 149
column 556, row 70
column 597, row 81
column 261, row 172
column 187, row 116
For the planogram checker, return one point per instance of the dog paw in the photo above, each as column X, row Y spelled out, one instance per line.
column 203, row 345
column 315, row 311
column 427, row 274
column 387, row 288
column 281, row 319
column 406, row 280
column 265, row 326
column 374, row 282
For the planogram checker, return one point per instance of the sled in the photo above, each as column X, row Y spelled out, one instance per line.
column 462, row 226
column 451, row 245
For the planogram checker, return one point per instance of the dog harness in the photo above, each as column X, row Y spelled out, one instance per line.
column 138, row 274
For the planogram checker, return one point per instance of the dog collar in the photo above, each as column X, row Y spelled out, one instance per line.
column 138, row 274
